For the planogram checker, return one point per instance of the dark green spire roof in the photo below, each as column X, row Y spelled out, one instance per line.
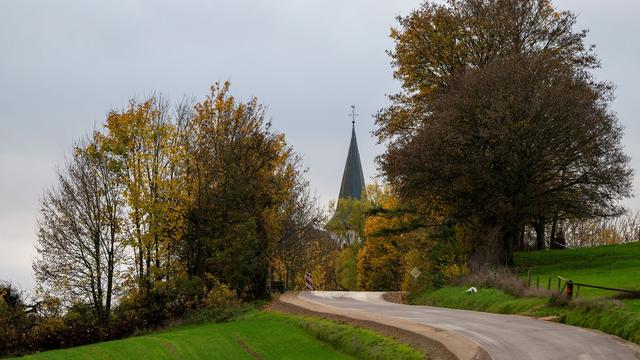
column 352, row 178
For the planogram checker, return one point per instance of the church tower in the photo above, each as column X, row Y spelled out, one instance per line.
column 352, row 179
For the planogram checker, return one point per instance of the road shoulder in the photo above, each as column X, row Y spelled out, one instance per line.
column 438, row 344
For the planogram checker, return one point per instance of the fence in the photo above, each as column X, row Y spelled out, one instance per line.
column 569, row 285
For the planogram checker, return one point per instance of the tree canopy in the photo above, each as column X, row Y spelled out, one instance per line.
column 500, row 122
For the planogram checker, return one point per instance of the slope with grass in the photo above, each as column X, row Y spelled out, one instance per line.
column 256, row 335
column 616, row 266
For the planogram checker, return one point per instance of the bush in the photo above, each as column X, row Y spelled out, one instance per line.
column 182, row 300
column 220, row 295
column 501, row 279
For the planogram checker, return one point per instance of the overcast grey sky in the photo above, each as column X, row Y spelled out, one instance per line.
column 65, row 64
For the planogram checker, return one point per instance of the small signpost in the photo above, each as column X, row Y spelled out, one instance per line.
column 308, row 281
column 415, row 272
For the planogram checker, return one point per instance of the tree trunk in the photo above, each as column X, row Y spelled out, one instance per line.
column 508, row 239
column 552, row 240
column 538, row 226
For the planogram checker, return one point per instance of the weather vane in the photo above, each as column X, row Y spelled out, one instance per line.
column 353, row 115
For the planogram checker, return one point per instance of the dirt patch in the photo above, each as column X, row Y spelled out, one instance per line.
column 171, row 349
column 256, row 355
column 398, row 297
column 431, row 348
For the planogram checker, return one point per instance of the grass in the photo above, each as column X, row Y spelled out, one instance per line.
column 488, row 300
column 616, row 266
column 255, row 335
column 362, row 343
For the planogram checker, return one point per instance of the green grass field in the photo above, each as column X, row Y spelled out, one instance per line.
column 256, row 335
column 615, row 266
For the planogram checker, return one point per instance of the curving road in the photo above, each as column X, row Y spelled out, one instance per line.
column 503, row 337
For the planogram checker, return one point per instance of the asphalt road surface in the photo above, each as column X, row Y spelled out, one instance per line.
column 504, row 337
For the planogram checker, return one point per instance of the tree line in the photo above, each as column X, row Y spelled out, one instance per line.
column 500, row 139
column 165, row 208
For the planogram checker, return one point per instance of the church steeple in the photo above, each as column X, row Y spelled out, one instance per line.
column 352, row 179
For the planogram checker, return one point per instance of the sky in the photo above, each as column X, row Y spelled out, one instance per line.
column 65, row 64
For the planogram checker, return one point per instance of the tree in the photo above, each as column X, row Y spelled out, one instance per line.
column 80, row 247
column 300, row 220
column 144, row 148
column 381, row 259
column 15, row 320
column 348, row 220
column 239, row 174
column 436, row 41
column 510, row 142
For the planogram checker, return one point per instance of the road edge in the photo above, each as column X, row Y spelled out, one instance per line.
column 437, row 343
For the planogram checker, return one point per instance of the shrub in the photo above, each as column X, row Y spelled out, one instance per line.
column 220, row 295
column 501, row 279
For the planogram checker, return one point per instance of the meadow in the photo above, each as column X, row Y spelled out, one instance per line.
column 255, row 335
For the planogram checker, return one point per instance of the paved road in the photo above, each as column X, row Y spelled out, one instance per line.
column 504, row 337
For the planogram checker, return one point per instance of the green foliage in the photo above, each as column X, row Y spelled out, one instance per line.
column 348, row 220
column 14, row 321
column 380, row 265
column 347, row 267
column 220, row 295
column 438, row 253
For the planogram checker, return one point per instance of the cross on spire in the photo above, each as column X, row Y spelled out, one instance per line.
column 353, row 115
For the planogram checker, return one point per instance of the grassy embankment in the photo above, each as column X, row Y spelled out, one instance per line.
column 616, row 266
column 255, row 335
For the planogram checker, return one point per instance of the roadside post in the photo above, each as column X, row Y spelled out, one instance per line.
column 308, row 281
column 569, row 289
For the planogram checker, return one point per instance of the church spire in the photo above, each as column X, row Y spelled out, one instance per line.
column 352, row 179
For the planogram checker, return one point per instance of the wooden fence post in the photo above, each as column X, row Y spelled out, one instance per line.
column 529, row 278
column 549, row 284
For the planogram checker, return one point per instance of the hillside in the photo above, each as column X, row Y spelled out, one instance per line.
column 256, row 335
column 616, row 266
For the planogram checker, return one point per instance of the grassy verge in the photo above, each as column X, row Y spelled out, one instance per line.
column 359, row 342
column 607, row 315
column 254, row 335
column 488, row 300
column 616, row 266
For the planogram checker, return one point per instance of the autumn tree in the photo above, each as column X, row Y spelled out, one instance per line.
column 380, row 263
column 436, row 41
column 80, row 245
column 511, row 141
column 144, row 148
column 300, row 220
column 240, row 171
column 437, row 45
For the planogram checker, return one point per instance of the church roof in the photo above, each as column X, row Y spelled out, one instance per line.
column 352, row 179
